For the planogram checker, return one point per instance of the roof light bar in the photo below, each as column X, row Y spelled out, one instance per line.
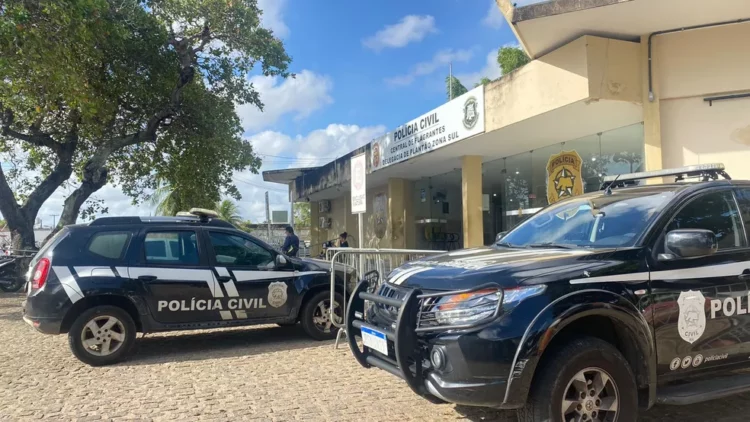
column 202, row 212
column 184, row 214
column 703, row 171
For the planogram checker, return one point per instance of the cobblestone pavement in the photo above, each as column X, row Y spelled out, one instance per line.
column 261, row 373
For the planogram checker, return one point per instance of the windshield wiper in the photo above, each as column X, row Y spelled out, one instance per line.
column 505, row 245
column 550, row 245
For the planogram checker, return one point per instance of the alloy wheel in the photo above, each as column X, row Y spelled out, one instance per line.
column 103, row 335
column 591, row 395
column 322, row 315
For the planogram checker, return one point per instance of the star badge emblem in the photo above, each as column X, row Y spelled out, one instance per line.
column 564, row 182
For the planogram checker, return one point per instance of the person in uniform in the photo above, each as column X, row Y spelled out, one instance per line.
column 291, row 243
column 343, row 243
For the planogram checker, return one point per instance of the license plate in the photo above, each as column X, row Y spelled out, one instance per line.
column 375, row 340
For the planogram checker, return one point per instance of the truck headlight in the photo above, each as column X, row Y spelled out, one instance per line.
column 472, row 307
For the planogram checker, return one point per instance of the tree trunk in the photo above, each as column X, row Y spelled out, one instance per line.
column 94, row 178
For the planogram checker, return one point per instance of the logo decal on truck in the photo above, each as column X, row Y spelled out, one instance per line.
column 692, row 320
column 277, row 294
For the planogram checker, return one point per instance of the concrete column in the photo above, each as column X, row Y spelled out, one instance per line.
column 651, row 111
column 471, row 189
column 315, row 239
column 400, row 213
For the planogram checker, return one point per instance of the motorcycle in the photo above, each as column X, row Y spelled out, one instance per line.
column 13, row 271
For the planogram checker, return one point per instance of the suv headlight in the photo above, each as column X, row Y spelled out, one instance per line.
column 472, row 307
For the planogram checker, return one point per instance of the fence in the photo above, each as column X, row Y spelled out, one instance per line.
column 365, row 260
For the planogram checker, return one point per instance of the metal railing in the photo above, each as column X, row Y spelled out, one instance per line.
column 365, row 260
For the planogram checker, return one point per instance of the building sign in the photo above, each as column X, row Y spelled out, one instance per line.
column 359, row 185
column 451, row 122
column 564, row 176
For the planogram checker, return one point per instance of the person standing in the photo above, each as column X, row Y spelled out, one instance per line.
column 291, row 243
column 343, row 243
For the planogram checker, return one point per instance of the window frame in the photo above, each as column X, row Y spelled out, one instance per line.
column 212, row 253
column 198, row 247
column 660, row 246
column 124, row 250
column 745, row 223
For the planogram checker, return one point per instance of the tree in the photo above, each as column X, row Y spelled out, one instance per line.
column 302, row 214
column 511, row 58
column 631, row 158
column 228, row 211
column 245, row 226
column 483, row 81
column 458, row 88
column 122, row 91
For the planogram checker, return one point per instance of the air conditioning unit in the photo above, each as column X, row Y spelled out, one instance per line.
column 325, row 223
column 324, row 206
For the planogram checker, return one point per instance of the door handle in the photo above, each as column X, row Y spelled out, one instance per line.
column 146, row 277
column 223, row 278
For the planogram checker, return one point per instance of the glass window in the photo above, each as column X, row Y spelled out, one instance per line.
column 716, row 212
column 109, row 245
column 236, row 250
column 743, row 197
column 171, row 248
column 596, row 221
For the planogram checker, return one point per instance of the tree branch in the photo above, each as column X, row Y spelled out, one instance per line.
column 35, row 138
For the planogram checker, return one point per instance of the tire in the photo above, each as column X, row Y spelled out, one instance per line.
column 120, row 335
column 595, row 359
column 311, row 319
column 13, row 287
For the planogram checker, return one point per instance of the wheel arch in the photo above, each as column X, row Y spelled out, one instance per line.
column 602, row 314
column 316, row 286
column 89, row 302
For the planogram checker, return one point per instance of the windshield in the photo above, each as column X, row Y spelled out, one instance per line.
column 603, row 221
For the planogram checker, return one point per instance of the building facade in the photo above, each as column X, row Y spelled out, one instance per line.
column 615, row 86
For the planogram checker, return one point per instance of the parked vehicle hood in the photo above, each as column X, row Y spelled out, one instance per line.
column 508, row 267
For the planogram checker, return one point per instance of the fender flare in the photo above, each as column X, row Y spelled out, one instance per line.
column 563, row 311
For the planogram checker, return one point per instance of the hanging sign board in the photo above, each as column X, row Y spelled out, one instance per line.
column 453, row 121
column 359, row 185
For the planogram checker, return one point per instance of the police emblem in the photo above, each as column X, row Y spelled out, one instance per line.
column 471, row 113
column 564, row 176
column 692, row 320
column 277, row 294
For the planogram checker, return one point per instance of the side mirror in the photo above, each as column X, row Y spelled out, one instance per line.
column 281, row 261
column 689, row 243
column 500, row 236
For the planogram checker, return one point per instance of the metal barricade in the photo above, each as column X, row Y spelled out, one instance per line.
column 365, row 260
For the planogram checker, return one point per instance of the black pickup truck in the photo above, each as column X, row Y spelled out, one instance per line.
column 595, row 307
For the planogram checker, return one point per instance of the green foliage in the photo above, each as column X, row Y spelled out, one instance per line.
column 245, row 226
column 302, row 214
column 139, row 93
column 511, row 58
column 483, row 81
column 458, row 88
column 228, row 211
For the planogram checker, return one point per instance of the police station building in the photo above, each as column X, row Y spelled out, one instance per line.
column 615, row 86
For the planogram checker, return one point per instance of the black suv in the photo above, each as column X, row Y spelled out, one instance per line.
column 102, row 282
column 596, row 306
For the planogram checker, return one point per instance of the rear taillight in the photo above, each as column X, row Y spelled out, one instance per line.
column 41, row 271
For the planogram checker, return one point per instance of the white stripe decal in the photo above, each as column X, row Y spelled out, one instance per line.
column 619, row 278
column 401, row 280
column 721, row 270
column 402, row 274
column 241, row 314
column 123, row 271
column 269, row 275
column 231, row 289
column 69, row 283
column 226, row 314
column 84, row 272
column 222, row 271
column 213, row 285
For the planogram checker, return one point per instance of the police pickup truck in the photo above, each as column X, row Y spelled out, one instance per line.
column 596, row 306
column 104, row 281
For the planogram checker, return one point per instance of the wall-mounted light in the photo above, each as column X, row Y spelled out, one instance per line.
column 494, row 194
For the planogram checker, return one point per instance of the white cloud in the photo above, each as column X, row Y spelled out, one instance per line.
column 411, row 28
column 490, row 70
column 441, row 60
column 273, row 16
column 300, row 96
column 494, row 18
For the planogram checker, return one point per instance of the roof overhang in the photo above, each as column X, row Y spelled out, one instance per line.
column 543, row 27
column 284, row 176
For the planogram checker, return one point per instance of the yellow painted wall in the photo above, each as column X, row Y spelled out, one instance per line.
column 688, row 67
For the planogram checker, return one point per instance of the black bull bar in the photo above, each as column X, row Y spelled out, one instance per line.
column 411, row 357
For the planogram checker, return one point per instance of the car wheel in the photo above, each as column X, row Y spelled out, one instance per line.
column 102, row 335
column 316, row 317
column 586, row 380
column 12, row 286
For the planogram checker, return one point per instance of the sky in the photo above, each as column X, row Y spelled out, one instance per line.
column 362, row 68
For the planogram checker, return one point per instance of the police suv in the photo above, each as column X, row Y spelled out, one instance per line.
column 104, row 281
column 596, row 306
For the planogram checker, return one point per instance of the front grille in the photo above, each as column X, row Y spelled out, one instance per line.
column 386, row 312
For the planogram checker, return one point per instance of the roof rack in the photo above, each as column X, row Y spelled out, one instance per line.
column 702, row 172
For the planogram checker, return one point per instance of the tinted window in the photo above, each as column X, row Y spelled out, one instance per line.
column 171, row 248
column 597, row 221
column 743, row 197
column 109, row 245
column 717, row 212
column 236, row 250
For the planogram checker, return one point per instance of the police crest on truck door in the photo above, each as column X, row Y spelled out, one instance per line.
column 277, row 294
column 692, row 319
